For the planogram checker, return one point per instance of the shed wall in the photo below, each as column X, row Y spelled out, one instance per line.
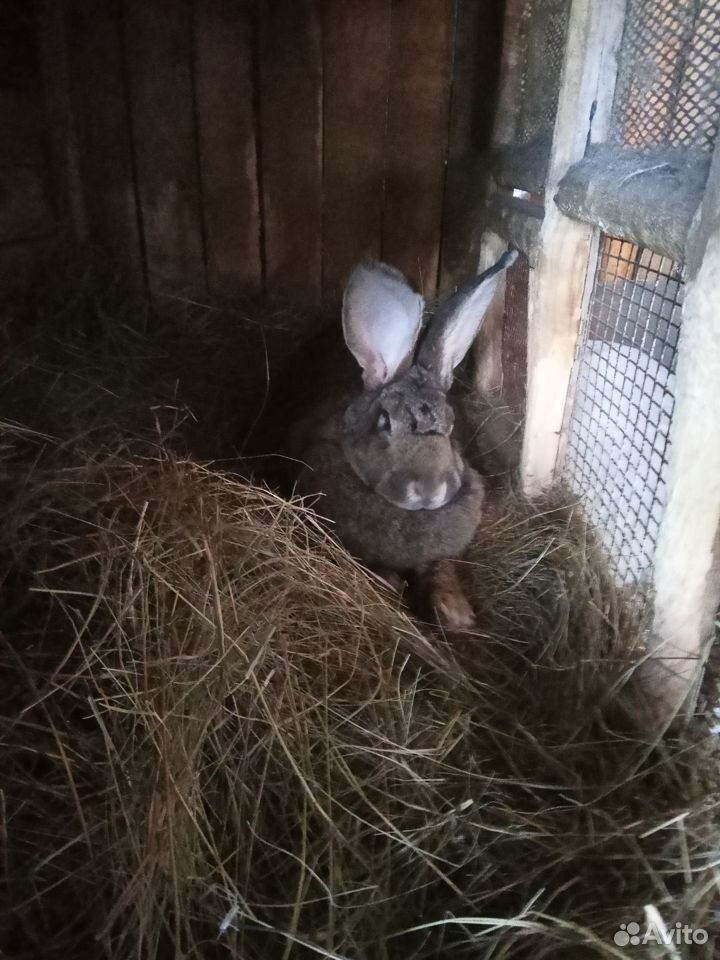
column 227, row 146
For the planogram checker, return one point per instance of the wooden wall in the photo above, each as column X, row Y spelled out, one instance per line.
column 219, row 145
column 27, row 221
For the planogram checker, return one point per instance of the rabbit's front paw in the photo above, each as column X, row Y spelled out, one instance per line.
column 448, row 598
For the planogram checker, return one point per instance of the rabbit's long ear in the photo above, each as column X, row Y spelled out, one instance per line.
column 458, row 320
column 382, row 317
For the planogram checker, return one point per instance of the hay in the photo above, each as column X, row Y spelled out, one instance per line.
column 221, row 737
column 95, row 364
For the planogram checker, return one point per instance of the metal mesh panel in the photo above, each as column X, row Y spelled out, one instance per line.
column 545, row 27
column 668, row 91
column 515, row 333
column 623, row 399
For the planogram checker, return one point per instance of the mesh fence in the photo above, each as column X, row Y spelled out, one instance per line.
column 668, row 90
column 544, row 30
column 622, row 403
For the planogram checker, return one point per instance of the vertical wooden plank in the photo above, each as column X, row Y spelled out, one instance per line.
column 356, row 50
column 225, row 92
column 558, row 281
column 158, row 40
column 687, row 557
column 476, row 66
column 487, row 350
column 64, row 153
column 102, row 115
column 420, row 73
column 290, row 66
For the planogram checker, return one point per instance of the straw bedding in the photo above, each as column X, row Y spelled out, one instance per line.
column 221, row 737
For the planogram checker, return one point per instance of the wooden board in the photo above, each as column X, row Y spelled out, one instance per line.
column 687, row 559
column 158, row 38
column 420, row 75
column 290, row 66
column 476, row 65
column 66, row 187
column 487, row 349
column 564, row 260
column 356, row 52
column 101, row 112
column 225, row 94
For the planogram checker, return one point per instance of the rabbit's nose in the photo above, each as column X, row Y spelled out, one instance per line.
column 419, row 497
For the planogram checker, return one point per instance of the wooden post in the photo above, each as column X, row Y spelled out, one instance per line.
column 687, row 560
column 488, row 346
column 557, row 283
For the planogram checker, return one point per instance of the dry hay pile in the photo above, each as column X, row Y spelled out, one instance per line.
column 220, row 737
column 94, row 362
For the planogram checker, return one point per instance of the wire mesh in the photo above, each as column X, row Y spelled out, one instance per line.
column 668, row 90
column 515, row 334
column 622, row 403
column 544, row 30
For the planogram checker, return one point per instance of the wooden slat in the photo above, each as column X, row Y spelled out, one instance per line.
column 102, row 116
column 158, row 41
column 476, row 65
column 290, row 62
column 421, row 63
column 487, row 349
column 564, row 261
column 67, row 193
column 224, row 78
column 356, row 50
column 687, row 559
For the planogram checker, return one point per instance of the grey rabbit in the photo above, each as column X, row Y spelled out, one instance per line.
column 382, row 453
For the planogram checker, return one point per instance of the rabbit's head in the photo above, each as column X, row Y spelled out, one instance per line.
column 397, row 433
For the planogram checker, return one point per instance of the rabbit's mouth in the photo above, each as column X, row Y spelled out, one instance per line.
column 417, row 499
column 417, row 495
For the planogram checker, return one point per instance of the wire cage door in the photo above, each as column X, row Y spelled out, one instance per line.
column 622, row 404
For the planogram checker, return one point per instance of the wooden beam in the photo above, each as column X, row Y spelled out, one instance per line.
column 225, row 95
column 648, row 197
column 687, row 559
column 487, row 350
column 557, row 284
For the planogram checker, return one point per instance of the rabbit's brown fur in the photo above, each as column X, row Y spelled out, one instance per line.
column 378, row 532
column 391, row 476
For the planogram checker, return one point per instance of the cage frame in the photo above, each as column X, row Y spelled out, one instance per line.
column 580, row 195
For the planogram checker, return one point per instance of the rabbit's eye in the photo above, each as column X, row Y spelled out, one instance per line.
column 383, row 422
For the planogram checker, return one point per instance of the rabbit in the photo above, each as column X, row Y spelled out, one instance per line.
column 381, row 452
